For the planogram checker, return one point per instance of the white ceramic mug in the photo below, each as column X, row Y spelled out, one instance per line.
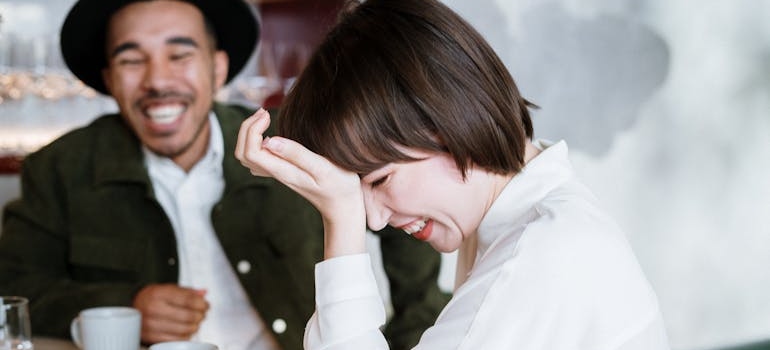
column 183, row 345
column 107, row 328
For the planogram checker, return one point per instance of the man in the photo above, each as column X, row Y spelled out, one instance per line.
column 149, row 208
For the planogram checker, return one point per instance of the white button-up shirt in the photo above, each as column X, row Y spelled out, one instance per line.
column 552, row 271
column 188, row 198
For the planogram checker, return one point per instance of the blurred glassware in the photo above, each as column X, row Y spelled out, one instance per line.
column 15, row 331
column 39, row 98
column 31, row 66
column 278, row 63
column 256, row 89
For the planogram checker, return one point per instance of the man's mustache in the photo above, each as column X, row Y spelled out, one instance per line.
column 165, row 94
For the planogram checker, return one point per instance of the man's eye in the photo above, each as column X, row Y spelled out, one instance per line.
column 180, row 56
column 129, row 61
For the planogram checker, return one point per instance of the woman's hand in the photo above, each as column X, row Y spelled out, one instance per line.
column 335, row 192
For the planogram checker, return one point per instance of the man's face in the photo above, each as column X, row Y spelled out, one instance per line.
column 163, row 72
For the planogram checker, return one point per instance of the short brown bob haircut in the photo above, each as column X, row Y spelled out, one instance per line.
column 409, row 73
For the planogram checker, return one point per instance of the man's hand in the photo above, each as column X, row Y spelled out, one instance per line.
column 170, row 312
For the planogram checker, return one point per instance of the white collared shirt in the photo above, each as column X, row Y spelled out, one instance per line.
column 188, row 198
column 552, row 271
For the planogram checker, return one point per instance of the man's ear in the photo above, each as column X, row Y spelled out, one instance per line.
column 221, row 67
column 106, row 78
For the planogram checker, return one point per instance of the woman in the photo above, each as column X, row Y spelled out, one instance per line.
column 405, row 116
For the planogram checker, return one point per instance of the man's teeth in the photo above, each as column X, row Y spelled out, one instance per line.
column 416, row 226
column 165, row 114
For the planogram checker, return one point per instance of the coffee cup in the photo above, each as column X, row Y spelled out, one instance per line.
column 183, row 345
column 107, row 328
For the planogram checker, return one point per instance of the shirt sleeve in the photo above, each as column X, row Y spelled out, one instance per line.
column 349, row 309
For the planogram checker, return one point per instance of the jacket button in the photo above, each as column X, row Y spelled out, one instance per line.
column 171, row 261
column 244, row 267
column 279, row 326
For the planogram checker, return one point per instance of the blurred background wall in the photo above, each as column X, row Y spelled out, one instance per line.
column 665, row 105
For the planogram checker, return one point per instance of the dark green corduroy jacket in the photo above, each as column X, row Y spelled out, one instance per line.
column 88, row 231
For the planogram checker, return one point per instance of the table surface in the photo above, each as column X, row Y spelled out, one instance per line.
column 43, row 343
column 53, row 344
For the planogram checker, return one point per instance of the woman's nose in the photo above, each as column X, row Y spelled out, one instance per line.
column 377, row 214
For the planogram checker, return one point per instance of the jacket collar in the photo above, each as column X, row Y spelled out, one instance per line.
column 236, row 175
column 118, row 153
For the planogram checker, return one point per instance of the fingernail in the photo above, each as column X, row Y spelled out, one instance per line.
column 257, row 114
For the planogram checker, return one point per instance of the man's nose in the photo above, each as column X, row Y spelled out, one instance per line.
column 157, row 75
column 377, row 214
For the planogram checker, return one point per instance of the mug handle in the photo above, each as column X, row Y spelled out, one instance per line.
column 75, row 332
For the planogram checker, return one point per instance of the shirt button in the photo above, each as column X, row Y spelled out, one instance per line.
column 279, row 326
column 244, row 267
column 171, row 261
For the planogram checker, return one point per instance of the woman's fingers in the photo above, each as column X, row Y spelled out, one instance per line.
column 248, row 149
column 262, row 161
column 284, row 170
column 299, row 157
column 335, row 192
column 240, row 146
column 251, row 152
column 311, row 175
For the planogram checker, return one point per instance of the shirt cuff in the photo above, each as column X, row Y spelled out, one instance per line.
column 349, row 309
column 347, row 277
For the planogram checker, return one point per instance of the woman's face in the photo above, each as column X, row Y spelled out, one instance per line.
column 428, row 199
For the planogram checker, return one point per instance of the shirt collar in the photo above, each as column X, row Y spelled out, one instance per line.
column 540, row 176
column 216, row 143
column 211, row 159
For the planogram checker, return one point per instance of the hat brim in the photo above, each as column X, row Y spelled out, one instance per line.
column 84, row 29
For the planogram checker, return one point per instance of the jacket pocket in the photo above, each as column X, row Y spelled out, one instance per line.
column 105, row 258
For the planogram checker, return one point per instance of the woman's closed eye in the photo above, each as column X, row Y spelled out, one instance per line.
column 379, row 181
column 378, row 177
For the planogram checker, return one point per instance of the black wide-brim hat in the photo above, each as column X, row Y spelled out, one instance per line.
column 83, row 35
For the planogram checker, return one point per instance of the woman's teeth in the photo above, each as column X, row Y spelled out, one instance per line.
column 416, row 226
column 165, row 114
